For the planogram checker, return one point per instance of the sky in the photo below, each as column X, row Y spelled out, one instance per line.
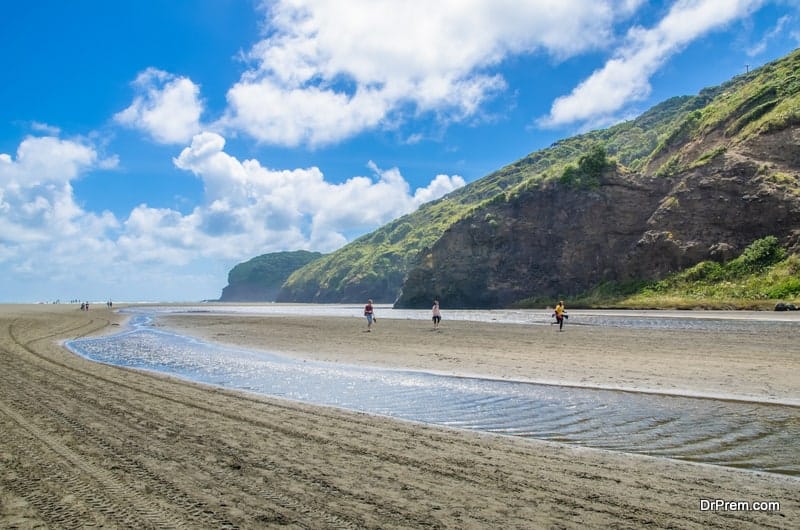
column 148, row 146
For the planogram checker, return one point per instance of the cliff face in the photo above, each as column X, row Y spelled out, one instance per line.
column 248, row 292
column 260, row 279
column 693, row 178
column 555, row 240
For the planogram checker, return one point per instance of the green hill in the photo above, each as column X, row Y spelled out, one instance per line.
column 259, row 279
column 666, row 176
column 375, row 265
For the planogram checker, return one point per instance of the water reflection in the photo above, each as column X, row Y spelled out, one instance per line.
column 741, row 321
column 746, row 435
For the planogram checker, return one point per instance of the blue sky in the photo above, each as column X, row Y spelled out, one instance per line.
column 148, row 146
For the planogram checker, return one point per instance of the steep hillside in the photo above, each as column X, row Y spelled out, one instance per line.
column 260, row 279
column 725, row 175
column 375, row 265
column 696, row 177
column 764, row 276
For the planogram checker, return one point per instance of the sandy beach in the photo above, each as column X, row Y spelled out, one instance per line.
column 89, row 445
column 752, row 367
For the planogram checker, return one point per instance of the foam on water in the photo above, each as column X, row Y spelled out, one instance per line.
column 746, row 435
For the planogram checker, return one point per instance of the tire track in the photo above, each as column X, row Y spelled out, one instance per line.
column 291, row 506
column 283, row 486
column 111, row 498
column 457, row 473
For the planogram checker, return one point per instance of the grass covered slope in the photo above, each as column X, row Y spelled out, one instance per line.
column 259, row 279
column 375, row 265
column 762, row 276
column 752, row 120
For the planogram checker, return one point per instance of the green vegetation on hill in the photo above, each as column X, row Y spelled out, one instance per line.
column 762, row 101
column 269, row 269
column 590, row 168
column 375, row 265
column 260, row 278
column 758, row 278
column 660, row 142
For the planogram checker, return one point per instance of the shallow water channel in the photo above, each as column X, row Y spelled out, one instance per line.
column 738, row 434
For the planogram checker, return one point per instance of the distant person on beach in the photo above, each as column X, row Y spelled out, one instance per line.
column 369, row 313
column 559, row 313
column 437, row 314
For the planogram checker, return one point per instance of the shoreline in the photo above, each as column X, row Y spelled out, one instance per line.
column 733, row 398
column 87, row 444
column 742, row 367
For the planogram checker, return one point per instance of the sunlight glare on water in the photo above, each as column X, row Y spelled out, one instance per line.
column 746, row 435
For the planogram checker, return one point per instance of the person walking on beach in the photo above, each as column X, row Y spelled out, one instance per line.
column 369, row 313
column 437, row 314
column 559, row 313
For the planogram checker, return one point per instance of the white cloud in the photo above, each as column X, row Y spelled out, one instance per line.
column 45, row 159
column 45, row 128
column 440, row 186
column 292, row 116
column 50, row 247
column 774, row 32
column 47, row 239
column 329, row 70
column 44, row 234
column 625, row 77
column 256, row 207
column 167, row 107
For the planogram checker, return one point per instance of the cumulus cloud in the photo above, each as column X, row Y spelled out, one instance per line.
column 626, row 76
column 43, row 228
column 167, row 107
column 329, row 70
column 45, row 159
column 440, row 186
column 47, row 237
column 49, row 242
column 257, row 207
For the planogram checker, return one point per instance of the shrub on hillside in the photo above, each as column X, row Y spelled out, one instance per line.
column 759, row 255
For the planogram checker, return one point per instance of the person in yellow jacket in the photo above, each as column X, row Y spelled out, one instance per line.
column 559, row 313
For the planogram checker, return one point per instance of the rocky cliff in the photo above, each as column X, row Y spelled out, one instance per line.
column 694, row 178
column 260, row 279
column 725, row 171
column 555, row 240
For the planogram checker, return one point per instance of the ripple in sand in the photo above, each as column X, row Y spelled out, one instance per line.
column 735, row 434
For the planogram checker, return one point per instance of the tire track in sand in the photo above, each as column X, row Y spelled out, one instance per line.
column 291, row 507
column 422, row 462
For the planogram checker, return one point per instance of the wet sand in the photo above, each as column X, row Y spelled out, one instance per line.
column 83, row 444
column 739, row 365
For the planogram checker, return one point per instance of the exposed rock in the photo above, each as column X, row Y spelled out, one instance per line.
column 696, row 178
column 260, row 279
column 554, row 241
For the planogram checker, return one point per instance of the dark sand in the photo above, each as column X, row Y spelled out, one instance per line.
column 88, row 445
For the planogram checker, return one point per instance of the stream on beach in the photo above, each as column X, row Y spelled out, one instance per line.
column 748, row 435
